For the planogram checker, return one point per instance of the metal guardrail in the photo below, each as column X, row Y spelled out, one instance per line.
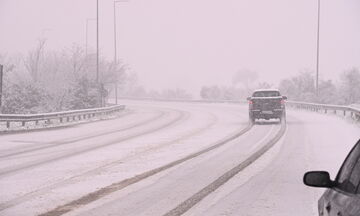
column 66, row 116
column 354, row 112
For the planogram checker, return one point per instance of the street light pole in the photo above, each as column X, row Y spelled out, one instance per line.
column 1, row 85
column 115, row 54
column 115, row 50
column 318, row 52
column 97, row 41
column 97, row 52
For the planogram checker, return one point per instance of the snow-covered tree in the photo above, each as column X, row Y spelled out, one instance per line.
column 34, row 60
column 56, row 80
column 328, row 93
column 349, row 90
column 300, row 87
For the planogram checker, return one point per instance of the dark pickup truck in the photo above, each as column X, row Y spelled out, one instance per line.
column 266, row 104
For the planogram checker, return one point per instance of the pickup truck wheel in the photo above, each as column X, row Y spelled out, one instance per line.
column 252, row 119
column 282, row 119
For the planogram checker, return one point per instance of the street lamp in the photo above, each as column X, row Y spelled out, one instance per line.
column 1, row 84
column 99, row 85
column 115, row 47
column 317, row 52
column 97, row 42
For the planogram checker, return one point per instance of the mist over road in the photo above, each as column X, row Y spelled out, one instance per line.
column 159, row 154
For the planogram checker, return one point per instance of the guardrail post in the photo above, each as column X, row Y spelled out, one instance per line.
column 344, row 112
column 325, row 111
column 60, row 117
column 334, row 111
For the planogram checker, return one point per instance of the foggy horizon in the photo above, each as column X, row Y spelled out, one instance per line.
column 188, row 44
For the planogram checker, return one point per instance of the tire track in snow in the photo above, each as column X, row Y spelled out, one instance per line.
column 55, row 144
column 197, row 197
column 8, row 171
column 91, row 197
column 73, row 179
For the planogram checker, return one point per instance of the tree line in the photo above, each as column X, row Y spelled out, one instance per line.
column 49, row 81
column 301, row 87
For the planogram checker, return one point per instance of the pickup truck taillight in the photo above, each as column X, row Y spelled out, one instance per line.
column 282, row 101
column 250, row 102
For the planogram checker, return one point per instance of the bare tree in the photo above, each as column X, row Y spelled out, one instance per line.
column 300, row 87
column 350, row 86
column 32, row 62
column 77, row 60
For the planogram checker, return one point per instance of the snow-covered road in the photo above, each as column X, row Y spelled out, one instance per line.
column 40, row 171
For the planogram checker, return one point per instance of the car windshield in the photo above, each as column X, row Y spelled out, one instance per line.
column 266, row 94
column 181, row 107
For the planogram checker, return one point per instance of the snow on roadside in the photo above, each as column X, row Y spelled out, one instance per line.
column 274, row 186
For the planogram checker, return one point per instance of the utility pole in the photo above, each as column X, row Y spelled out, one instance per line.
column 97, row 53
column 115, row 50
column 317, row 52
column 115, row 55
column 1, row 85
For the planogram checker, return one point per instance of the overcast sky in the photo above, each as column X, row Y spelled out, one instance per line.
column 189, row 43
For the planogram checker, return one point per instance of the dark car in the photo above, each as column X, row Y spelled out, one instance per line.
column 266, row 104
column 342, row 198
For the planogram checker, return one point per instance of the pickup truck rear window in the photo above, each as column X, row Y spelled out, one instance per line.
column 266, row 94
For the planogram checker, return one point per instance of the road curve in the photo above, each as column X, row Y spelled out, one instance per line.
column 55, row 162
column 273, row 184
column 160, row 157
